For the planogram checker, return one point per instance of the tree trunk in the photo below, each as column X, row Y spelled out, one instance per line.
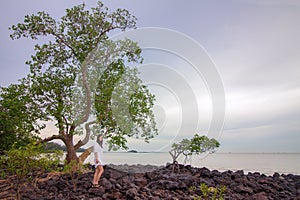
column 175, row 165
column 85, row 154
column 71, row 152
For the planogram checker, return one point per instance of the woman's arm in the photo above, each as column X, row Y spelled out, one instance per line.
column 96, row 156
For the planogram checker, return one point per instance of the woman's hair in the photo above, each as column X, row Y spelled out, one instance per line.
column 100, row 142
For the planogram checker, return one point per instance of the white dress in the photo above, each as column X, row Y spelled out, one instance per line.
column 99, row 150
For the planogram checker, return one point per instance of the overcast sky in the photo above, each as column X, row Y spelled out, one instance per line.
column 254, row 45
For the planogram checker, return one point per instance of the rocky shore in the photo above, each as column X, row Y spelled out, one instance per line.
column 158, row 184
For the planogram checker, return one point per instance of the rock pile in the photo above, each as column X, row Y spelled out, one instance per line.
column 163, row 184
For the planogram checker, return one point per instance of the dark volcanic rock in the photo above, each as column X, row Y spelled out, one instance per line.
column 132, row 192
column 242, row 189
column 159, row 184
column 260, row 196
column 106, row 184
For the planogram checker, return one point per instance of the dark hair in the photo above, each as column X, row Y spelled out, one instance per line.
column 100, row 142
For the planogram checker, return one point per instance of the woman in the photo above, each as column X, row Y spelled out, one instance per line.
column 98, row 152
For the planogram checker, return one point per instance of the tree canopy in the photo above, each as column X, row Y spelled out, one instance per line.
column 196, row 145
column 83, row 80
column 18, row 117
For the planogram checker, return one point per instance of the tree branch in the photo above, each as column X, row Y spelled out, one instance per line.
column 67, row 124
column 85, row 81
column 53, row 137
column 88, row 96
column 64, row 42
column 87, row 135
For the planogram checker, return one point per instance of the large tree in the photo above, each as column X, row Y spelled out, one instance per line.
column 81, row 79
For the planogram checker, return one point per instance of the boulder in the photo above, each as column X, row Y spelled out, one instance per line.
column 132, row 192
column 106, row 183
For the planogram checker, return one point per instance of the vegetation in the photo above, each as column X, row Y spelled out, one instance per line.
column 208, row 192
column 197, row 145
column 18, row 117
column 82, row 80
column 123, row 106
column 73, row 169
column 24, row 164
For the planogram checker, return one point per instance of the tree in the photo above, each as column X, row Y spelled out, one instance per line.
column 18, row 117
column 79, row 73
column 196, row 145
column 179, row 148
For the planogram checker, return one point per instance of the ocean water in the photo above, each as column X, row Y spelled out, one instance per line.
column 265, row 163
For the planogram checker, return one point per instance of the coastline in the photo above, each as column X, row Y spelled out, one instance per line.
column 266, row 163
column 162, row 184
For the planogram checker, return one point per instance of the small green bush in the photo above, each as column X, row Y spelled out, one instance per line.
column 24, row 164
column 207, row 193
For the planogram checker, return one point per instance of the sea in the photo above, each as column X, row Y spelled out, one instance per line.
column 264, row 163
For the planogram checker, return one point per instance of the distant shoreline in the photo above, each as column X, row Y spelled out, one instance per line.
column 264, row 163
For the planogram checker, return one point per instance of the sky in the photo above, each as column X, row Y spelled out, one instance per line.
column 253, row 45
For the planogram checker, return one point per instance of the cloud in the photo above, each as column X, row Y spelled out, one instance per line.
column 264, row 138
column 255, row 45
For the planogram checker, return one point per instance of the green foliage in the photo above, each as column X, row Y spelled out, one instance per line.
column 183, row 147
column 123, row 106
column 18, row 117
column 26, row 163
column 76, row 75
column 196, row 145
column 26, row 160
column 205, row 190
column 202, row 144
column 208, row 192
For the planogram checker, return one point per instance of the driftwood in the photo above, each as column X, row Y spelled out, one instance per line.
column 85, row 154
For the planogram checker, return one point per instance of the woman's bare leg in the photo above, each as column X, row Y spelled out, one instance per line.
column 96, row 175
column 99, row 174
